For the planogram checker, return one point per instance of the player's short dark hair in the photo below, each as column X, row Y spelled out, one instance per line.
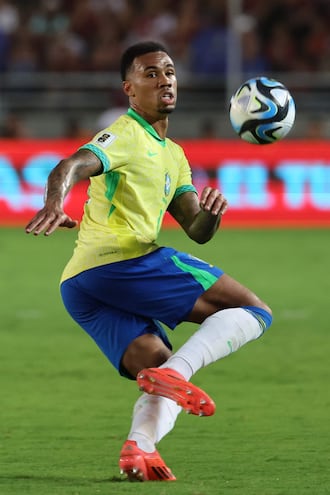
column 135, row 51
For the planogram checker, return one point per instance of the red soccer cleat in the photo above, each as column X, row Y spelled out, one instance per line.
column 143, row 466
column 171, row 384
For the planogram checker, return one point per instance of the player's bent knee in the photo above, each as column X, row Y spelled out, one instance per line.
column 264, row 316
column 147, row 351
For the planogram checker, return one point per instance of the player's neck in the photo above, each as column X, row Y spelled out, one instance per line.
column 158, row 121
column 160, row 127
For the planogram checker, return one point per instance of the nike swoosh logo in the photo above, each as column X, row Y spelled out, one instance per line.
column 151, row 153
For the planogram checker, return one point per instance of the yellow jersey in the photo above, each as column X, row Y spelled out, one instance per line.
column 122, row 217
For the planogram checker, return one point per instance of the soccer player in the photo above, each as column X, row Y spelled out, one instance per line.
column 119, row 285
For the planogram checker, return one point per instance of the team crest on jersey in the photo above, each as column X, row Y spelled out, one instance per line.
column 167, row 187
column 105, row 139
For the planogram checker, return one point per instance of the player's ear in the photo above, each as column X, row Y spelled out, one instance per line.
column 127, row 87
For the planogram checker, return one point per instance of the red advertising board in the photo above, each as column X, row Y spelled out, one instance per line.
column 286, row 184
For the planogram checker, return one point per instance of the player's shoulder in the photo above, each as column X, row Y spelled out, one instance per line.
column 175, row 147
column 116, row 133
column 122, row 126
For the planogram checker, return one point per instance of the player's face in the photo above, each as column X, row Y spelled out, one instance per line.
column 151, row 85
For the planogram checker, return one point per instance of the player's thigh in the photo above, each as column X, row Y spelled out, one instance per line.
column 225, row 293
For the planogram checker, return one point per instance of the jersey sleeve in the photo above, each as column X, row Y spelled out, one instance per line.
column 184, row 183
column 109, row 146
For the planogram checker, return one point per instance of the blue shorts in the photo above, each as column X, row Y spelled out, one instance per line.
column 118, row 302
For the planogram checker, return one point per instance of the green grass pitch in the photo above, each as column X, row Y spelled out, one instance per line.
column 64, row 412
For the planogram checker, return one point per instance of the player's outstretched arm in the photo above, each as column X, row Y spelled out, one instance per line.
column 201, row 218
column 79, row 166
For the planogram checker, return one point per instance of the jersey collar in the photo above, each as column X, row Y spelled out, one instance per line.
column 132, row 113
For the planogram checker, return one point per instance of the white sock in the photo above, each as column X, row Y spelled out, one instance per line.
column 153, row 418
column 179, row 364
column 220, row 334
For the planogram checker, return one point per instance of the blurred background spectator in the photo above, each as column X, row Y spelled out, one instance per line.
column 75, row 130
column 60, row 56
column 317, row 128
column 13, row 127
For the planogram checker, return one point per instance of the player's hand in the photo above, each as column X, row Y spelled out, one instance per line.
column 213, row 201
column 47, row 220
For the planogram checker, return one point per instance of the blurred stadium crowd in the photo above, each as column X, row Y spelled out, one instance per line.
column 89, row 35
column 74, row 36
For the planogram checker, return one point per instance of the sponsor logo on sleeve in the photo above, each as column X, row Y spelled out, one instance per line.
column 105, row 139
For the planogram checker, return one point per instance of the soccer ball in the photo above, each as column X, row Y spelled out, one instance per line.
column 262, row 111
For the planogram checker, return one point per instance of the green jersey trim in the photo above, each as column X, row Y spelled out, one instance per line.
column 99, row 153
column 183, row 189
column 204, row 278
column 132, row 113
column 111, row 181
